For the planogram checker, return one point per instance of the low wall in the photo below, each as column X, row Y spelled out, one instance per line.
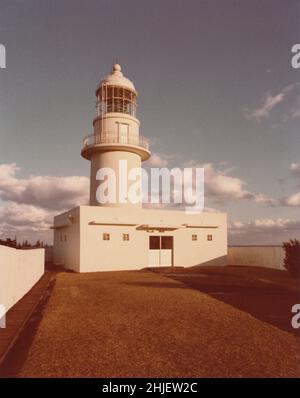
column 49, row 254
column 19, row 271
column 262, row 256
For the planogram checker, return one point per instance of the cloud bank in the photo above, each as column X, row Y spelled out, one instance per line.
column 31, row 203
column 263, row 231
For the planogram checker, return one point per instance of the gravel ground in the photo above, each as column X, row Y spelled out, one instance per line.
column 142, row 324
column 265, row 293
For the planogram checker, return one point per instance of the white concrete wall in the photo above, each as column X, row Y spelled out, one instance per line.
column 116, row 254
column 261, row 256
column 84, row 250
column 66, row 248
column 20, row 270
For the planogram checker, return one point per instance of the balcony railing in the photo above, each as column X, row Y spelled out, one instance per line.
column 115, row 138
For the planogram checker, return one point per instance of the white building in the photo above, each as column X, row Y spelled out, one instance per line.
column 123, row 235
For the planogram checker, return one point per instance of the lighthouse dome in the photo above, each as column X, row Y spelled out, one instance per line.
column 116, row 78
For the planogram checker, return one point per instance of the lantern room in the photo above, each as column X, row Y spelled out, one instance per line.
column 116, row 94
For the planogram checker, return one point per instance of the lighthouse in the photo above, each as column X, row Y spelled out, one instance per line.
column 116, row 144
column 121, row 234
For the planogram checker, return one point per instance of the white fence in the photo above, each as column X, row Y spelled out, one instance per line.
column 19, row 271
column 261, row 256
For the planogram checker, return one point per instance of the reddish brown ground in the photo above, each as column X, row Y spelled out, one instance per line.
column 267, row 294
column 142, row 324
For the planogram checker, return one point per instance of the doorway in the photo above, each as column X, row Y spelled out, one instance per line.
column 160, row 250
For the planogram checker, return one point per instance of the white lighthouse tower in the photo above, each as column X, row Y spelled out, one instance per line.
column 116, row 143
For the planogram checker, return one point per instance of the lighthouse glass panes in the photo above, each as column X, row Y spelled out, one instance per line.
column 116, row 99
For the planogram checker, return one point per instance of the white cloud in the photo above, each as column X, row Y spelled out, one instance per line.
column 224, row 187
column 295, row 169
column 270, row 102
column 264, row 111
column 26, row 222
column 30, row 204
column 292, row 200
column 264, row 199
column 259, row 224
column 46, row 192
column 266, row 230
column 25, row 216
column 221, row 186
column 295, row 112
column 157, row 160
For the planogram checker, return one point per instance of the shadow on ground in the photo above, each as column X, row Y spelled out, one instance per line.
column 18, row 354
column 266, row 294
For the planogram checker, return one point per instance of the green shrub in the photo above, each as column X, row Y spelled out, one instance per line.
column 292, row 257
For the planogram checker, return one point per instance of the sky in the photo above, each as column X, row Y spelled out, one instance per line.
column 216, row 90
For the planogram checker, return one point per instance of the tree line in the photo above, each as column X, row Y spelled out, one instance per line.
column 25, row 244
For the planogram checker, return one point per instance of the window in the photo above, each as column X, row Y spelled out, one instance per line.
column 125, row 236
column 209, row 237
column 106, row 236
column 154, row 243
column 194, row 237
column 160, row 242
column 65, row 238
column 61, row 237
column 166, row 242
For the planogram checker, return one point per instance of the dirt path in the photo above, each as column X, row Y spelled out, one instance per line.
column 141, row 324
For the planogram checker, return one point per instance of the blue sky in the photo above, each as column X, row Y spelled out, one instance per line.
column 216, row 88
